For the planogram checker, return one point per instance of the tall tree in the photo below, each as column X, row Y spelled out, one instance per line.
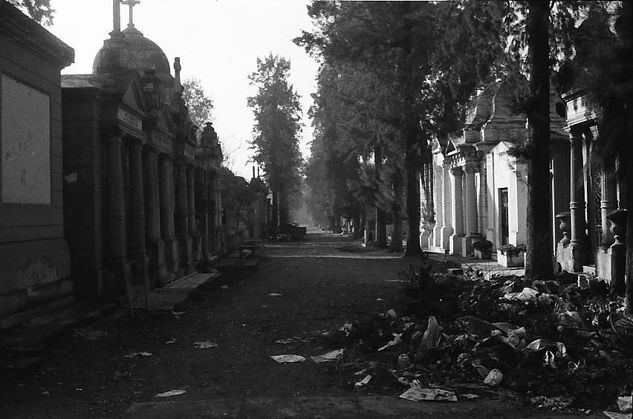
column 199, row 104
column 40, row 10
column 276, row 131
column 539, row 263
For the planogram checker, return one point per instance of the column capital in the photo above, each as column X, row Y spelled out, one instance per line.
column 472, row 166
column 135, row 144
column 457, row 171
column 150, row 150
column 575, row 133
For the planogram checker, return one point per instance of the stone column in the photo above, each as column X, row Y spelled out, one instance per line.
column 438, row 206
column 203, row 211
column 447, row 205
column 577, row 204
column 471, row 216
column 609, row 202
column 457, row 212
column 155, row 247
column 115, row 223
column 136, row 237
column 191, row 203
column 182, row 214
column 167, row 214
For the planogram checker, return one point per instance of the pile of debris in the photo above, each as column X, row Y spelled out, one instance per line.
column 557, row 344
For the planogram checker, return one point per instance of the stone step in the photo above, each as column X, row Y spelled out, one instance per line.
column 174, row 293
column 28, row 336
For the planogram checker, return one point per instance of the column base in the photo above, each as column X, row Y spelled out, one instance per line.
column 425, row 237
column 117, row 276
column 196, row 248
column 579, row 255
column 467, row 245
column 139, row 265
column 172, row 257
column 184, row 250
column 455, row 241
column 445, row 238
column 436, row 237
column 158, row 272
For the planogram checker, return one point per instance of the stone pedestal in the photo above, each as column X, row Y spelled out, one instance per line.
column 618, row 250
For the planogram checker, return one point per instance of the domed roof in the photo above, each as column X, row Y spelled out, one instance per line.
column 130, row 50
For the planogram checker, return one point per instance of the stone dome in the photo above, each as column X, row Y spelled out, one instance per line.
column 130, row 50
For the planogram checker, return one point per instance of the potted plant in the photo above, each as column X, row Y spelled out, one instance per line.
column 510, row 255
column 482, row 249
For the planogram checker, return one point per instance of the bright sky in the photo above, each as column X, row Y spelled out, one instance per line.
column 218, row 42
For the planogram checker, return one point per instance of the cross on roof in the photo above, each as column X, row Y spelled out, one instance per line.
column 131, row 4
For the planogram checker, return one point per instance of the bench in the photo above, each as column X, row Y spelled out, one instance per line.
column 248, row 248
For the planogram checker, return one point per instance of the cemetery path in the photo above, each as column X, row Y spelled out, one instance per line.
column 216, row 350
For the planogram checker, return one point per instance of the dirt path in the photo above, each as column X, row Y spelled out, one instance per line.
column 86, row 373
column 321, row 284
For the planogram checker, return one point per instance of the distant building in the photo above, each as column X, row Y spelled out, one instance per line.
column 34, row 256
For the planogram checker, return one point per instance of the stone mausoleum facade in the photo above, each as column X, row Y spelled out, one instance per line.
column 34, row 255
column 141, row 185
column 479, row 189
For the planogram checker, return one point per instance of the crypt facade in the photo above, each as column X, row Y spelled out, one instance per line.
column 141, row 185
column 479, row 188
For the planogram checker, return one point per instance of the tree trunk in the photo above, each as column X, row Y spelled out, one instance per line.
column 413, row 203
column 396, row 236
column 356, row 221
column 284, row 208
column 539, row 260
column 274, row 222
column 625, row 149
column 381, row 226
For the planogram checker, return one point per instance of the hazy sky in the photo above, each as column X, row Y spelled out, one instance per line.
column 218, row 42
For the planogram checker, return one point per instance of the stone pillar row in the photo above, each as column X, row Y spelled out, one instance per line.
column 153, row 221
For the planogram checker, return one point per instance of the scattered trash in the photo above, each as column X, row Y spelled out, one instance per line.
column 171, row 393
column 397, row 339
column 493, row 378
column 432, row 335
column 418, row 394
column 177, row 314
column 527, row 294
column 285, row 341
column 506, row 332
column 617, row 415
column 540, row 344
column 274, row 294
column 404, row 361
column 553, row 403
column 346, row 328
column 624, row 404
column 170, row 341
column 138, row 355
column 330, row 356
column 363, row 382
column 224, row 287
column 205, row 345
column 288, row 359
column 379, row 299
